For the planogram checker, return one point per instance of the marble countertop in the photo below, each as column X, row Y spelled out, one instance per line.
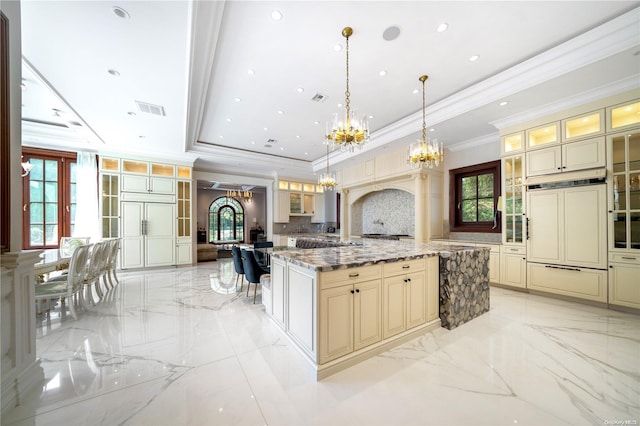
column 363, row 252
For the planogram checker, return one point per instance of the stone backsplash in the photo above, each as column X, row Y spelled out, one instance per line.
column 390, row 211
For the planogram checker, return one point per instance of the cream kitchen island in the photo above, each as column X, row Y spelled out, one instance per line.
column 341, row 305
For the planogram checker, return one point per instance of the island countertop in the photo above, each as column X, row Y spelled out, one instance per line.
column 363, row 252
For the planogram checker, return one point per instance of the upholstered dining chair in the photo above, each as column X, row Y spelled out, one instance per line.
column 253, row 271
column 237, row 264
column 68, row 244
column 110, row 262
column 92, row 274
column 67, row 286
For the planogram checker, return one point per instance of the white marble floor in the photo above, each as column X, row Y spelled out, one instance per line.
column 181, row 347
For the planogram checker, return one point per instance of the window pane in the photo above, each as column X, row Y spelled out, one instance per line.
column 36, row 193
column 485, row 210
column 469, row 211
column 36, row 171
column 37, row 235
column 51, row 213
column 51, row 191
column 469, row 187
column 36, row 213
column 51, row 170
column 485, row 185
column 72, row 172
column 52, row 234
column 73, row 193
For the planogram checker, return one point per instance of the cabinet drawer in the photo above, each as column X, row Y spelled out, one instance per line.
column 339, row 277
column 624, row 258
column 495, row 248
column 513, row 250
column 584, row 283
column 404, row 267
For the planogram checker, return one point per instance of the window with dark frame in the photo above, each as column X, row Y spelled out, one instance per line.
column 49, row 197
column 473, row 198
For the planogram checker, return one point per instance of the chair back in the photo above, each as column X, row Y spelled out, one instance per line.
column 252, row 270
column 77, row 269
column 94, row 265
column 237, row 259
column 69, row 244
column 260, row 257
column 113, row 252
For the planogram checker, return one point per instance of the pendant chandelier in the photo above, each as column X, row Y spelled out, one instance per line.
column 248, row 195
column 426, row 152
column 352, row 131
column 327, row 180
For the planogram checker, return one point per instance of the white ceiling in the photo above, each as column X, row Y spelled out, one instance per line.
column 192, row 58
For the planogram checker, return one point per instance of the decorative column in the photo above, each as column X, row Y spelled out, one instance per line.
column 345, row 224
column 421, row 217
column 21, row 370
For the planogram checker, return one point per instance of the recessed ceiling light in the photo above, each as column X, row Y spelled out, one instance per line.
column 237, row 99
column 316, row 122
column 221, row 137
column 432, row 129
column 280, row 112
column 297, row 136
column 113, row 72
column 585, row 120
column 300, row 90
column 503, row 103
column 339, row 105
column 131, row 113
column 382, row 73
column 120, row 12
column 253, row 142
column 337, row 47
column 442, row 27
column 142, row 136
column 228, row 120
column 371, row 116
column 282, row 148
column 251, row 71
column 306, row 153
column 276, row 15
column 415, row 91
column 266, row 129
column 474, row 58
column 391, row 33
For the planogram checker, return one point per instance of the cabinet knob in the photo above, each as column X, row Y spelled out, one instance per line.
column 352, row 291
column 357, row 290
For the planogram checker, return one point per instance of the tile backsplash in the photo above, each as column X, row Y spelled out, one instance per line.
column 390, row 211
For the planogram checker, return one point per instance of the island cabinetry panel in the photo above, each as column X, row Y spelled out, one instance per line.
column 279, row 291
column 350, row 311
column 403, row 297
column 301, row 303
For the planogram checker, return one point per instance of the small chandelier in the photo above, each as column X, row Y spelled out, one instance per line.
column 352, row 131
column 327, row 180
column 426, row 152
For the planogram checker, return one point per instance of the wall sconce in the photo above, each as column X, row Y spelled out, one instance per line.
column 26, row 167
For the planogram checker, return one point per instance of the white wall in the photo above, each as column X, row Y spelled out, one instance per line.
column 486, row 152
column 11, row 10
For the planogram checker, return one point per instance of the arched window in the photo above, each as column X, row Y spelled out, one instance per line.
column 226, row 220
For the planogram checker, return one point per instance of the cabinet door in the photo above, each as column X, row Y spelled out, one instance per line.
column 295, row 203
column 588, row 154
column 494, row 267
column 367, row 311
column 160, row 230
column 585, row 226
column 309, row 203
column 301, row 321
column 545, row 243
column 318, row 213
column 134, row 183
column 282, row 214
column 162, row 185
column 544, row 161
column 183, row 253
column 132, row 247
column 624, row 285
column 278, row 277
column 583, row 283
column 393, row 306
column 513, row 269
column 415, row 293
column 336, row 323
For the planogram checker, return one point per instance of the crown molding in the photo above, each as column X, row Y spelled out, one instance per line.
column 479, row 141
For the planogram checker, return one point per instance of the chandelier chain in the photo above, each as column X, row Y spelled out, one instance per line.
column 424, row 120
column 347, row 93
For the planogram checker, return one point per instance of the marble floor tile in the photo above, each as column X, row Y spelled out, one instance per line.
column 184, row 346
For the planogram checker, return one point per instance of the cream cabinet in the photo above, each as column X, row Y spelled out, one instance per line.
column 403, row 296
column 624, row 280
column 350, row 311
column 318, row 209
column 583, row 283
column 110, row 202
column 513, row 200
column 623, row 116
column 581, row 155
column 513, row 267
column 494, row 261
column 281, row 206
column 584, row 125
column 512, row 143
column 543, row 136
column 301, row 321
column 279, row 288
column 141, row 176
column 184, row 240
column 568, row 226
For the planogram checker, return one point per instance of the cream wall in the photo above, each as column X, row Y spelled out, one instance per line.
column 11, row 10
column 488, row 151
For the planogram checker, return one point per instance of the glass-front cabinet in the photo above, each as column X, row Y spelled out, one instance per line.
column 513, row 209
column 624, row 198
column 110, row 193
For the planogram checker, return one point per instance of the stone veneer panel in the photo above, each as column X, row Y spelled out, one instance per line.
column 464, row 286
column 392, row 208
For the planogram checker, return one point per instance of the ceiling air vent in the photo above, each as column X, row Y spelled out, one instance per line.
column 150, row 108
column 272, row 141
column 318, row 97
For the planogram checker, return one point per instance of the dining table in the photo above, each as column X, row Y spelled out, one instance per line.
column 52, row 260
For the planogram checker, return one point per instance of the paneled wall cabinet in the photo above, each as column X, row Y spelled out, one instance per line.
column 148, row 205
column 298, row 199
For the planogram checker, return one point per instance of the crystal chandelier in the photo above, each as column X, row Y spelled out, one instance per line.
column 327, row 180
column 426, row 152
column 351, row 131
column 248, row 195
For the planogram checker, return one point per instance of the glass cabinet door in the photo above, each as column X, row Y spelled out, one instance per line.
column 625, row 191
column 110, row 205
column 513, row 196
column 295, row 202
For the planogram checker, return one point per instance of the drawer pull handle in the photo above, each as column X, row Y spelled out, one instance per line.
column 354, row 275
column 406, row 267
column 564, row 268
column 628, row 258
column 513, row 249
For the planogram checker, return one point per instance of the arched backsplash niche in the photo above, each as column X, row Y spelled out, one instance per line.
column 389, row 211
